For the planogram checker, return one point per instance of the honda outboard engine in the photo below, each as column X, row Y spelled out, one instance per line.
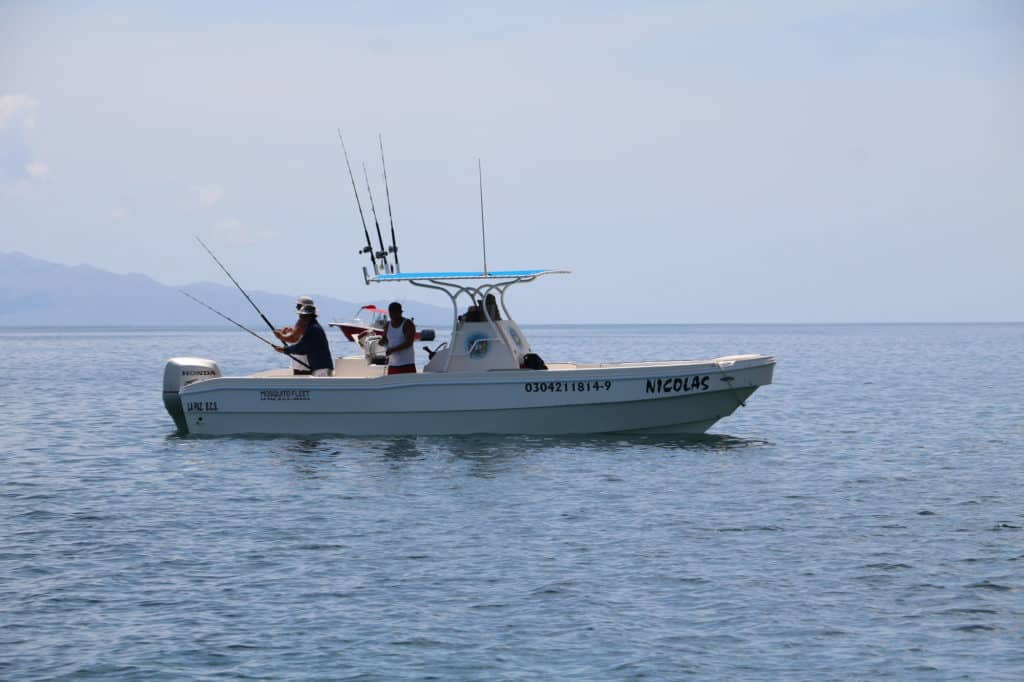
column 180, row 372
column 374, row 349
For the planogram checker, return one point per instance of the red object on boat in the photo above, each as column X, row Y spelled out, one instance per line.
column 356, row 327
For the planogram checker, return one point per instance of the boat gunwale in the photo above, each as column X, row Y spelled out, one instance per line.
column 491, row 377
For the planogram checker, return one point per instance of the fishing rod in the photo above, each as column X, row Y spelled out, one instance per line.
column 369, row 246
column 382, row 254
column 255, row 307
column 242, row 326
column 387, row 193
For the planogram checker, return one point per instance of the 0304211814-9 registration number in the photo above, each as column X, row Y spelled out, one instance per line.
column 567, row 386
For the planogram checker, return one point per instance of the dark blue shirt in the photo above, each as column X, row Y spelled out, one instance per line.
column 313, row 345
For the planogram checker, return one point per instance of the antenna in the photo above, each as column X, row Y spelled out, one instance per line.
column 387, row 193
column 483, row 231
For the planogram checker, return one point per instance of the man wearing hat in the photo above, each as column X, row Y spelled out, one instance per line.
column 312, row 345
column 293, row 334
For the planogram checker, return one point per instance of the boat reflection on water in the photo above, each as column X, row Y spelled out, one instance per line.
column 503, row 447
column 482, row 455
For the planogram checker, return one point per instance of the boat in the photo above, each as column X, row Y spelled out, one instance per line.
column 487, row 378
column 357, row 326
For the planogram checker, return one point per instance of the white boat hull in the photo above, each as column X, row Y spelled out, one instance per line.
column 667, row 397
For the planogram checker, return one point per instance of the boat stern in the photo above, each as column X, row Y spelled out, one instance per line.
column 181, row 372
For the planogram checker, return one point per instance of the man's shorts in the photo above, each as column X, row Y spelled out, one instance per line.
column 402, row 369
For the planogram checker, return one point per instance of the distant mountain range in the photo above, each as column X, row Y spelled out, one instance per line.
column 35, row 292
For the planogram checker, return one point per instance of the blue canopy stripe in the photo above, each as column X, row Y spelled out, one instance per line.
column 493, row 274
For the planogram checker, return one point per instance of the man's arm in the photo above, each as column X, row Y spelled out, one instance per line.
column 288, row 334
column 298, row 349
column 293, row 334
column 410, row 335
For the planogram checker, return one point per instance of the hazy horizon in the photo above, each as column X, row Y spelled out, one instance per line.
column 419, row 297
column 704, row 163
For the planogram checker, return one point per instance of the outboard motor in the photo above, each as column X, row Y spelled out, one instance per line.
column 374, row 349
column 178, row 373
column 376, row 352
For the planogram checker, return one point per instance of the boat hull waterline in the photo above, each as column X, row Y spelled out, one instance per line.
column 659, row 397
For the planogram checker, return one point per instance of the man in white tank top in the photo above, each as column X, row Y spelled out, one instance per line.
column 399, row 335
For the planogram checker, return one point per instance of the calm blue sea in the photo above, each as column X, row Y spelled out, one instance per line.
column 861, row 518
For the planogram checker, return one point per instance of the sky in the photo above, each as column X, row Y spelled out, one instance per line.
column 691, row 162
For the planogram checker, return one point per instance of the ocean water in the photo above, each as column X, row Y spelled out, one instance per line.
column 861, row 518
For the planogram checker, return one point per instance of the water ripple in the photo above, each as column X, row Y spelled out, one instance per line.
column 837, row 528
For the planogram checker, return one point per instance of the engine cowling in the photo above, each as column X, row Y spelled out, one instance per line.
column 180, row 372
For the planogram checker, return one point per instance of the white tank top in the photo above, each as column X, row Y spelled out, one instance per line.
column 396, row 337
